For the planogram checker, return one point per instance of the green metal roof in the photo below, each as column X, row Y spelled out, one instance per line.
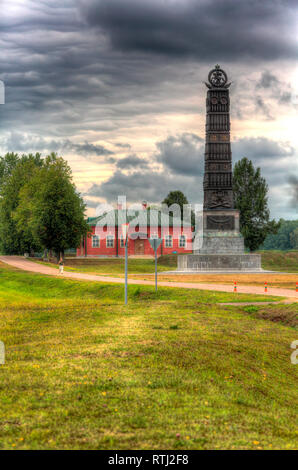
column 142, row 218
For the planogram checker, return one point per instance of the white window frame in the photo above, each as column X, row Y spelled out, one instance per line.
column 95, row 237
column 168, row 241
column 110, row 238
column 184, row 238
column 122, row 242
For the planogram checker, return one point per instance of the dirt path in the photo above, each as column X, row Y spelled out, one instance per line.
column 26, row 265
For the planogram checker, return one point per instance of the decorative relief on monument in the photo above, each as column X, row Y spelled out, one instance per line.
column 225, row 223
column 218, row 100
column 219, row 137
column 217, row 122
column 218, row 148
column 219, row 199
column 221, row 180
column 217, row 77
column 218, row 166
column 213, row 166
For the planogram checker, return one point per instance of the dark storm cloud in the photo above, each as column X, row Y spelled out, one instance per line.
column 207, row 30
column 260, row 148
column 147, row 185
column 17, row 142
column 181, row 160
column 285, row 97
column 276, row 90
column 122, row 146
column 87, row 149
column 63, row 77
column 263, row 107
column 183, row 154
column 90, row 203
column 131, row 161
column 267, row 80
column 64, row 80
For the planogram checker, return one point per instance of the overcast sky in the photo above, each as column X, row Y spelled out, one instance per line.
column 117, row 88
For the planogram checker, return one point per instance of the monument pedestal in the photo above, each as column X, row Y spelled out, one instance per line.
column 221, row 232
column 221, row 263
column 222, row 246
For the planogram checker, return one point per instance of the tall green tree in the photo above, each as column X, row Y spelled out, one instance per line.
column 251, row 198
column 51, row 207
column 15, row 171
column 7, row 165
column 177, row 197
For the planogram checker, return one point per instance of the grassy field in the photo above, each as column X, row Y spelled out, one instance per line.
column 174, row 370
column 286, row 261
column 273, row 280
column 271, row 260
column 109, row 265
column 144, row 269
column 283, row 261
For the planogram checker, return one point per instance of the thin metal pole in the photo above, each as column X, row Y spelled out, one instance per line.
column 155, row 250
column 155, row 269
column 126, row 243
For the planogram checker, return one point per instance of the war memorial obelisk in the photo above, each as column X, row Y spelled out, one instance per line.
column 222, row 247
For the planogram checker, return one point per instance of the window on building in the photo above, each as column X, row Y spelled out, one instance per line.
column 182, row 241
column 95, row 241
column 168, row 241
column 122, row 244
column 110, row 241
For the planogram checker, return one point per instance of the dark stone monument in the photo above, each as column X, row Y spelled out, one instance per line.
column 222, row 244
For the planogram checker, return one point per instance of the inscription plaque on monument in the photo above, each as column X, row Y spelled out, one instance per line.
column 220, row 222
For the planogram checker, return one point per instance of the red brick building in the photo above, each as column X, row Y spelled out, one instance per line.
column 107, row 240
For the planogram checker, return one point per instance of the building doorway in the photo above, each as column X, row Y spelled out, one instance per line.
column 139, row 246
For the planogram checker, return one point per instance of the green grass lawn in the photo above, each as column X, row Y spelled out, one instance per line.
column 283, row 261
column 109, row 265
column 272, row 260
column 173, row 370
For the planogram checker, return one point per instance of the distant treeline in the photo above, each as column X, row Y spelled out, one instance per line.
column 285, row 239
